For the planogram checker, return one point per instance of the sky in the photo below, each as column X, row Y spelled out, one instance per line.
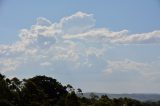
column 109, row 46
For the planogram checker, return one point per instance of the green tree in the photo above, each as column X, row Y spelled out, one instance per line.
column 44, row 90
column 6, row 96
column 79, row 92
column 72, row 100
column 103, row 101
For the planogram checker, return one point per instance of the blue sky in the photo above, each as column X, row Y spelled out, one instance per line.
column 101, row 46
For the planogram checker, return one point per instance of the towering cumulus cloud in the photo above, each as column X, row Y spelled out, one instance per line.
column 76, row 44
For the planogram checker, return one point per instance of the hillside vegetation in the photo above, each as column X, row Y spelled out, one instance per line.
column 46, row 91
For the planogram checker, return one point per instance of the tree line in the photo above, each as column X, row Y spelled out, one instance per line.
column 47, row 91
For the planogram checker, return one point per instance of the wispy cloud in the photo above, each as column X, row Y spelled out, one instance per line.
column 147, row 71
column 121, row 37
column 8, row 65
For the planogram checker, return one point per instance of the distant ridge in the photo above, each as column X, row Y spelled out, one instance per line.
column 140, row 97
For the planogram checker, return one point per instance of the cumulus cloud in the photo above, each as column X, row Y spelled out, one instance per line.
column 77, row 23
column 74, row 39
column 44, row 44
column 41, row 21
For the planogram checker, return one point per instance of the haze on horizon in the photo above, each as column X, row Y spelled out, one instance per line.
column 100, row 46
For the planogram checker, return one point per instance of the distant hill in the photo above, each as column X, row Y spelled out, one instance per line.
column 140, row 97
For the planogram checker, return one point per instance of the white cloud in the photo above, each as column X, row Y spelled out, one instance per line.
column 124, row 65
column 147, row 71
column 120, row 37
column 99, row 34
column 77, row 23
column 45, row 64
column 73, row 39
column 143, row 38
column 8, row 65
column 95, row 51
column 41, row 21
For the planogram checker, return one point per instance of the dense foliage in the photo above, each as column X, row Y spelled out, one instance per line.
column 46, row 91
